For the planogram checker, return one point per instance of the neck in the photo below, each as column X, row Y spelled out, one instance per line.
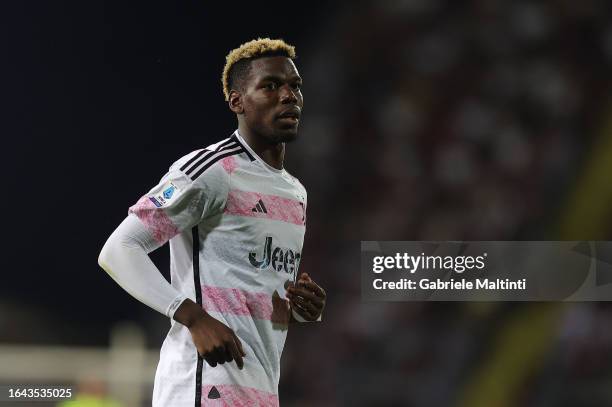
column 272, row 154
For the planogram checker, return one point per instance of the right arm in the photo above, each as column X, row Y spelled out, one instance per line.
column 125, row 258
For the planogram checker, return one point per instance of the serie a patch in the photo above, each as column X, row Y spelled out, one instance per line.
column 168, row 192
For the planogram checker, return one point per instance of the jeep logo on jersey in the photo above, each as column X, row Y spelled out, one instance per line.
column 281, row 259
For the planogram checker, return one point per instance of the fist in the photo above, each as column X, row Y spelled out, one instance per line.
column 307, row 298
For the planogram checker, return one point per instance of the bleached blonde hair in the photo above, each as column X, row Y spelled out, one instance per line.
column 250, row 50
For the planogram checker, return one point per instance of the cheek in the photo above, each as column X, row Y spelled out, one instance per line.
column 259, row 115
column 260, row 110
column 261, row 104
column 264, row 108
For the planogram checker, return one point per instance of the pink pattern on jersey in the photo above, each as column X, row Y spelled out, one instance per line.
column 238, row 396
column 155, row 219
column 244, row 203
column 229, row 164
column 245, row 303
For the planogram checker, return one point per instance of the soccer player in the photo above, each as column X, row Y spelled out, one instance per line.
column 235, row 220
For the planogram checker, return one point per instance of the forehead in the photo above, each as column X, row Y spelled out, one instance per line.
column 278, row 66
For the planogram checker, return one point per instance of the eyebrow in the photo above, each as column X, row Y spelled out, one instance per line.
column 278, row 78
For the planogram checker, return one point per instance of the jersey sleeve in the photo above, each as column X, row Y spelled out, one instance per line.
column 178, row 202
column 124, row 257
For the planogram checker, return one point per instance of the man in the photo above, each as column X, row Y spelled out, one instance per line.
column 235, row 219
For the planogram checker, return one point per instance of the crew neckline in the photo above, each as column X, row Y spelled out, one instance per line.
column 254, row 154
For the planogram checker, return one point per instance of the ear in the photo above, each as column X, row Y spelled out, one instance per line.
column 235, row 102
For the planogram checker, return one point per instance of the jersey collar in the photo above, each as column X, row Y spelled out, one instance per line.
column 257, row 157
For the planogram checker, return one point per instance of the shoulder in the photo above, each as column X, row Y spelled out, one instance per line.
column 296, row 182
column 218, row 160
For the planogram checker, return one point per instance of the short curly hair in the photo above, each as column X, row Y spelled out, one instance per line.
column 237, row 62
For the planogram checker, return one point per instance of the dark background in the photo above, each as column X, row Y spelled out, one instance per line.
column 103, row 97
column 424, row 120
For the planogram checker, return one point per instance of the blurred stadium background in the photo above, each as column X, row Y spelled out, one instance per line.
column 424, row 120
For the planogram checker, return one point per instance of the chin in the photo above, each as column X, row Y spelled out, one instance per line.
column 284, row 136
column 289, row 137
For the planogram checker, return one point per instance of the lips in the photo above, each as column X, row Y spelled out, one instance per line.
column 293, row 113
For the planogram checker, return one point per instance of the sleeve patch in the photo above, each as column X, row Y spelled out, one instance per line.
column 168, row 192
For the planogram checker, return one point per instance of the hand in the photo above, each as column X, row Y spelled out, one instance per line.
column 307, row 298
column 215, row 341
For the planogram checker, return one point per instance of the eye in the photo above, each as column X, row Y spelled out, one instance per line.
column 297, row 86
column 270, row 86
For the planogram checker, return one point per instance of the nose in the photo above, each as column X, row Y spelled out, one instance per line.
column 287, row 95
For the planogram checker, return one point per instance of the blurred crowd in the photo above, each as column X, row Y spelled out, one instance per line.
column 441, row 120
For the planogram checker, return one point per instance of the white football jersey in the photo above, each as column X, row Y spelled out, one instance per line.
column 236, row 229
